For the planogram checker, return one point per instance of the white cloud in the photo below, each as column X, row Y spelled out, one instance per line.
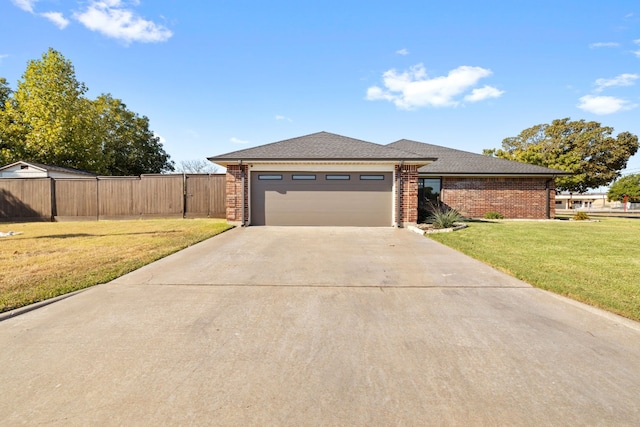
column 603, row 44
column 279, row 117
column 57, row 18
column 161, row 139
column 112, row 19
column 26, row 5
column 413, row 88
column 238, row 141
column 602, row 105
column 2, row 56
column 483, row 93
column 637, row 52
column 621, row 80
column 402, row 52
column 192, row 133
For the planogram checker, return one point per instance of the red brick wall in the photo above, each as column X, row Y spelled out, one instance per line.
column 409, row 194
column 234, row 193
column 512, row 197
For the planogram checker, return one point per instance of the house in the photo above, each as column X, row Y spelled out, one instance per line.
column 38, row 170
column 475, row 184
column 329, row 179
column 583, row 201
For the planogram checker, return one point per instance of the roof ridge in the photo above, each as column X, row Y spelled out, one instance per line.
column 465, row 161
column 320, row 146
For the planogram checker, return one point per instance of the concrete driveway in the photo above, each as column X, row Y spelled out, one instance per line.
column 318, row 326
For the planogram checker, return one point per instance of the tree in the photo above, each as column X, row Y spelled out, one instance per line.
column 49, row 120
column 196, row 166
column 626, row 186
column 586, row 149
column 128, row 146
column 5, row 147
column 5, row 92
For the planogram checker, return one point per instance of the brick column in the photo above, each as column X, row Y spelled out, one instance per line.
column 234, row 200
column 409, row 194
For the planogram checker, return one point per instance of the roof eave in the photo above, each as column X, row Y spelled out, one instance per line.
column 231, row 161
column 22, row 162
column 497, row 174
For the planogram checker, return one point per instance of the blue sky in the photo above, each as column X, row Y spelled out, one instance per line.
column 219, row 76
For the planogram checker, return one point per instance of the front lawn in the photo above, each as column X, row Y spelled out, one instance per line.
column 594, row 262
column 51, row 259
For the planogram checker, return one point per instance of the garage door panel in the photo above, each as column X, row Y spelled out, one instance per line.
column 351, row 202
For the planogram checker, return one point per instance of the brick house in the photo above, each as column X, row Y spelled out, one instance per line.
column 329, row 179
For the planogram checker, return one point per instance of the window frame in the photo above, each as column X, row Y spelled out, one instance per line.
column 269, row 177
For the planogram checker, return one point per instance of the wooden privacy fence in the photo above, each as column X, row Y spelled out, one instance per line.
column 147, row 196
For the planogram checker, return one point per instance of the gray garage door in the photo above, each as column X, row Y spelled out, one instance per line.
column 313, row 198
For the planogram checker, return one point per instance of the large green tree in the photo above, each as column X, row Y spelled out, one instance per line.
column 626, row 186
column 129, row 147
column 586, row 149
column 48, row 119
column 5, row 92
column 5, row 147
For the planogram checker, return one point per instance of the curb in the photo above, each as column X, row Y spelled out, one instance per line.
column 433, row 231
column 22, row 310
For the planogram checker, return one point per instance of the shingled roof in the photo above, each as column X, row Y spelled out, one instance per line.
column 325, row 146
column 50, row 168
column 321, row 146
column 457, row 162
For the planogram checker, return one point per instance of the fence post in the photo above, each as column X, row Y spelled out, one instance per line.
column 184, row 194
column 97, row 198
column 54, row 209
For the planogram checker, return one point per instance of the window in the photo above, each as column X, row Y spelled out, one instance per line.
column 269, row 177
column 303, row 177
column 338, row 177
column 428, row 192
column 372, row 177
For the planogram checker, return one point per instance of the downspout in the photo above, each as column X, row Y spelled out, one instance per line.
column 242, row 178
column 399, row 209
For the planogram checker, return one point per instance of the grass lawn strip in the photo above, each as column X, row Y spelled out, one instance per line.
column 51, row 259
column 594, row 262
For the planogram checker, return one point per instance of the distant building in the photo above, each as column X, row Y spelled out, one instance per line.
column 591, row 201
column 23, row 169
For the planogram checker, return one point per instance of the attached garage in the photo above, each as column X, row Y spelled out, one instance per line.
column 322, row 198
column 322, row 179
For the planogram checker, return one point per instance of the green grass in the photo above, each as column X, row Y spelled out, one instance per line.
column 52, row 259
column 594, row 262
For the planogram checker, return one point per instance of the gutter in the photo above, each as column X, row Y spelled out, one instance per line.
column 242, row 179
column 399, row 202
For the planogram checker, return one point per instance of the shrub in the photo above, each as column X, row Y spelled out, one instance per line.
column 493, row 215
column 444, row 217
column 580, row 216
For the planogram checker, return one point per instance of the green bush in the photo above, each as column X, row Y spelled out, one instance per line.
column 444, row 218
column 581, row 216
column 493, row 215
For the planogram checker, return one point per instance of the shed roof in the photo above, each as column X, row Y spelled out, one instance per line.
column 50, row 168
column 458, row 162
column 321, row 146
